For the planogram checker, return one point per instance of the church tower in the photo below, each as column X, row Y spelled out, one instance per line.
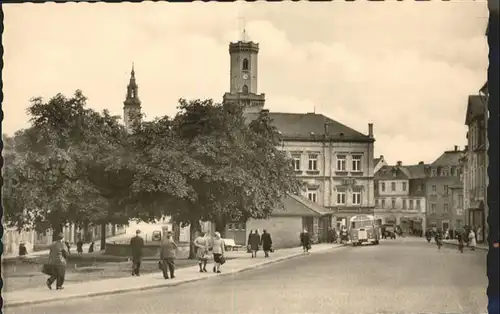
column 243, row 76
column 132, row 104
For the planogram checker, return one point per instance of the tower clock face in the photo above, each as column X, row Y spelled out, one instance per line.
column 245, row 76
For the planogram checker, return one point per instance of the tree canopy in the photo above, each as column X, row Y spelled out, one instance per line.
column 70, row 165
column 207, row 163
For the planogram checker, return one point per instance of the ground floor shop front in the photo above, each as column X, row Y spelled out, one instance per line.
column 410, row 223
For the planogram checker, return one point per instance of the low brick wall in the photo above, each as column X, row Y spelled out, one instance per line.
column 149, row 250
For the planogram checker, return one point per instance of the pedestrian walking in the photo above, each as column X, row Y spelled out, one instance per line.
column 266, row 242
column 438, row 238
column 472, row 240
column 254, row 242
column 428, row 235
column 56, row 264
column 23, row 251
column 79, row 247
column 91, row 247
column 249, row 249
column 68, row 247
column 167, row 256
column 218, row 252
column 305, row 241
column 136, row 246
column 460, row 238
column 202, row 245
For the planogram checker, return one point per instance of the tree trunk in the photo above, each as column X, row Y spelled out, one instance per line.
column 57, row 229
column 194, row 229
column 220, row 226
column 103, row 237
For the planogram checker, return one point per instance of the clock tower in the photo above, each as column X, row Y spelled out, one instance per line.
column 243, row 77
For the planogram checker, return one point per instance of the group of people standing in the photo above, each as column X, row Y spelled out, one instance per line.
column 168, row 251
column 255, row 241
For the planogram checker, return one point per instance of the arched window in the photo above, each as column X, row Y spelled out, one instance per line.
column 245, row 64
column 245, row 89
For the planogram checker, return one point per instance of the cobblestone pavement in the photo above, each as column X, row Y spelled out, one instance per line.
column 398, row 276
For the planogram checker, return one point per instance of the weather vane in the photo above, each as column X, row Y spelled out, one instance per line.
column 243, row 28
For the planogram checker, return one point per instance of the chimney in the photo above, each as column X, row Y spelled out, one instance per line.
column 382, row 157
column 370, row 129
column 400, row 163
column 456, row 148
column 420, row 162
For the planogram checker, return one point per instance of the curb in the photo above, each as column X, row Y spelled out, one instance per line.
column 7, row 304
column 478, row 248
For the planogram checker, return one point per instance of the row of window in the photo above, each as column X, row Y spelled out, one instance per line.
column 404, row 186
column 407, row 204
column 444, row 172
column 341, row 196
column 445, row 189
column 341, row 165
column 446, row 209
column 236, row 227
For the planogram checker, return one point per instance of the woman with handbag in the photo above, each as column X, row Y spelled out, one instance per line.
column 202, row 246
column 218, row 251
column 56, row 265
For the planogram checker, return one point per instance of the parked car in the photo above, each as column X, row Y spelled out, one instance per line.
column 389, row 231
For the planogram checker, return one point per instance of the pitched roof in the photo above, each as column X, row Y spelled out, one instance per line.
column 311, row 126
column 402, row 172
column 392, row 172
column 417, row 171
column 299, row 206
column 376, row 160
column 476, row 108
column 448, row 158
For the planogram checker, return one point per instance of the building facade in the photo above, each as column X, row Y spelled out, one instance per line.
column 444, row 177
column 400, row 196
column 475, row 163
column 334, row 162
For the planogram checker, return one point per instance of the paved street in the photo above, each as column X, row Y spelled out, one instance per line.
column 398, row 276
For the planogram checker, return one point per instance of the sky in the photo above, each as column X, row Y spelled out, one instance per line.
column 406, row 67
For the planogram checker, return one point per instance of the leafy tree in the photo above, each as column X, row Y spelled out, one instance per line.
column 234, row 170
column 70, row 166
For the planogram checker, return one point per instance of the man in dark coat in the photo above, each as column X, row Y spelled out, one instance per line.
column 136, row 245
column 266, row 242
column 305, row 240
column 57, row 263
column 254, row 242
column 167, row 256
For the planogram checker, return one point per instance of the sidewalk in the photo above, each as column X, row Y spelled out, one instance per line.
column 479, row 246
column 241, row 263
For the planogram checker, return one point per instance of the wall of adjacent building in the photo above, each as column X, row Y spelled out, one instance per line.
column 285, row 231
column 328, row 179
column 12, row 238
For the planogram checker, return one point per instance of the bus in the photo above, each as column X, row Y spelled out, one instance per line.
column 364, row 230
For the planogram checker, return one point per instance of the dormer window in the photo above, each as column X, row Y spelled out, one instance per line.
column 245, row 89
column 245, row 64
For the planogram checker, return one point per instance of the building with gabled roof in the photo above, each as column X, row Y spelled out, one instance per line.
column 400, row 196
column 444, row 192
column 334, row 161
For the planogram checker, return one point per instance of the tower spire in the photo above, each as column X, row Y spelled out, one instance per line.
column 132, row 103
